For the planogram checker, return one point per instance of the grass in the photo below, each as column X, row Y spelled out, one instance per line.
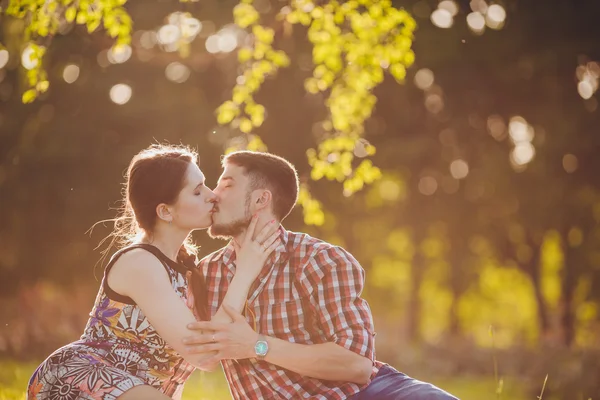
column 204, row 386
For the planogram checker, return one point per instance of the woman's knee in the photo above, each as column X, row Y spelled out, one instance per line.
column 143, row 392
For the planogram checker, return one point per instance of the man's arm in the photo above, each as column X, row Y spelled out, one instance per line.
column 326, row 361
column 333, row 283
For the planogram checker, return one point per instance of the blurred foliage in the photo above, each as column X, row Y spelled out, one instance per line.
column 353, row 42
column 44, row 19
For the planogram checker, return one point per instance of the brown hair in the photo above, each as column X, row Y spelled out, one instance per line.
column 271, row 172
column 157, row 175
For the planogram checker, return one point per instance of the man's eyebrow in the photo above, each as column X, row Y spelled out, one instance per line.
column 226, row 178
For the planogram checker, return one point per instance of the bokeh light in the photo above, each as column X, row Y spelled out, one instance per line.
column 570, row 163
column 168, row 34
column 496, row 127
column 585, row 89
column 442, row 18
column 476, row 22
column 434, row 103
column 479, row 6
column 424, row 78
column 177, row 72
column 519, row 130
column 26, row 60
column 523, row 153
column 450, row 6
column 120, row 93
column 4, row 57
column 459, row 169
column 212, row 44
column 71, row 73
column 428, row 185
column 495, row 16
column 227, row 41
column 119, row 54
column 589, row 76
column 148, row 39
column 389, row 190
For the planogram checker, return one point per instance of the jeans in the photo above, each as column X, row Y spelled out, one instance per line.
column 390, row 384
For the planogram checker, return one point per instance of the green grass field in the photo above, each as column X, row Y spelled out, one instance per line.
column 212, row 386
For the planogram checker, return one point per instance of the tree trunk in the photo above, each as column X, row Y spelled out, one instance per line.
column 414, row 302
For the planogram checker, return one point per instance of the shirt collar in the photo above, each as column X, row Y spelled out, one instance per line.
column 228, row 255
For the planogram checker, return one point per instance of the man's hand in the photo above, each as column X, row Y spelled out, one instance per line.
column 233, row 340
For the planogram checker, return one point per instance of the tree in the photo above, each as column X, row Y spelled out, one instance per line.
column 354, row 43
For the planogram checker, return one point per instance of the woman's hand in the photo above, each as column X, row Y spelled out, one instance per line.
column 252, row 253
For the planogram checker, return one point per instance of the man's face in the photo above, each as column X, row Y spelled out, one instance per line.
column 232, row 213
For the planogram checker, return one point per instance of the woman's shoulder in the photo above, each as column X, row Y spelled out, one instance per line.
column 134, row 266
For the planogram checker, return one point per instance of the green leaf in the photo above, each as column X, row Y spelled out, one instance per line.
column 398, row 71
column 29, row 96
column 42, row 86
column 70, row 14
column 244, row 55
column 245, row 125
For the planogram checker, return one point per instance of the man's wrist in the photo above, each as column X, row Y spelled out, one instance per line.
column 261, row 347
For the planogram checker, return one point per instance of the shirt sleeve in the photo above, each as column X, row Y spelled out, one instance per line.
column 334, row 281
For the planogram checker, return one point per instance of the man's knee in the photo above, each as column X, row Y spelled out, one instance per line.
column 430, row 392
column 393, row 385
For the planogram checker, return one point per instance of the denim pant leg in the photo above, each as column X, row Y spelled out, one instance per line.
column 390, row 384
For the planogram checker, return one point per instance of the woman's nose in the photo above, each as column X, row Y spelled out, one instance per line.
column 212, row 197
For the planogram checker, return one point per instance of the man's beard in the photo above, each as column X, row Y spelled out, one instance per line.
column 233, row 228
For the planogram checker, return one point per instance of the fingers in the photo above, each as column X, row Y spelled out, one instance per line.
column 199, row 339
column 273, row 246
column 251, row 229
column 270, row 240
column 266, row 230
column 207, row 325
column 204, row 348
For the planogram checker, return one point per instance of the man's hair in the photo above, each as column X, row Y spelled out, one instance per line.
column 268, row 171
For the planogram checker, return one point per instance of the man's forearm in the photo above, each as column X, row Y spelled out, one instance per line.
column 327, row 361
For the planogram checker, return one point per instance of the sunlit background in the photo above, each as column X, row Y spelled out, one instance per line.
column 480, row 236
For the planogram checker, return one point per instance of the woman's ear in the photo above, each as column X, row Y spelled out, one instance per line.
column 164, row 213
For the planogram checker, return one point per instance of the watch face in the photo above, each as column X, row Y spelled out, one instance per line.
column 261, row 348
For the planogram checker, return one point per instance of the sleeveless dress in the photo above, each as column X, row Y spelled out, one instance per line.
column 119, row 348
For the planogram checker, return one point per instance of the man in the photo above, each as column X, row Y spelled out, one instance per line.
column 305, row 332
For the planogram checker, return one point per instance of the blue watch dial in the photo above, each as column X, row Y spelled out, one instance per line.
column 261, row 348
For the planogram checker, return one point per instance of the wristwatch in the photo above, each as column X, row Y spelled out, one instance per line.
column 261, row 348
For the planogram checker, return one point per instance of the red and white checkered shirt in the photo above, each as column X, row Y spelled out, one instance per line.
column 308, row 292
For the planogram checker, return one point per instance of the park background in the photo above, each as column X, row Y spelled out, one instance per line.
column 454, row 153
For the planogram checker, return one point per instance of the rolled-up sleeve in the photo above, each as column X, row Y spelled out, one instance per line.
column 334, row 281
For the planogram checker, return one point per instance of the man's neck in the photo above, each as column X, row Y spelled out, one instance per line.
column 239, row 239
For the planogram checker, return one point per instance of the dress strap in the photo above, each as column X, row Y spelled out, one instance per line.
column 165, row 261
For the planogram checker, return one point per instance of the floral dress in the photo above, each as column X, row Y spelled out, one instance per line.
column 118, row 350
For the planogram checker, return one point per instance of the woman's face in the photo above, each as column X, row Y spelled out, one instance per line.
column 194, row 205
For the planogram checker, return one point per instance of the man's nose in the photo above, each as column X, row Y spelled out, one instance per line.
column 212, row 197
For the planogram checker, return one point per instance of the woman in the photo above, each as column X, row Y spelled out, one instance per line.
column 132, row 345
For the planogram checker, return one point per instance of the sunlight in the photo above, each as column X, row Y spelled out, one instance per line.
column 120, row 93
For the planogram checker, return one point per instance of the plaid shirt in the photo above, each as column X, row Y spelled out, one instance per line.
column 309, row 294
